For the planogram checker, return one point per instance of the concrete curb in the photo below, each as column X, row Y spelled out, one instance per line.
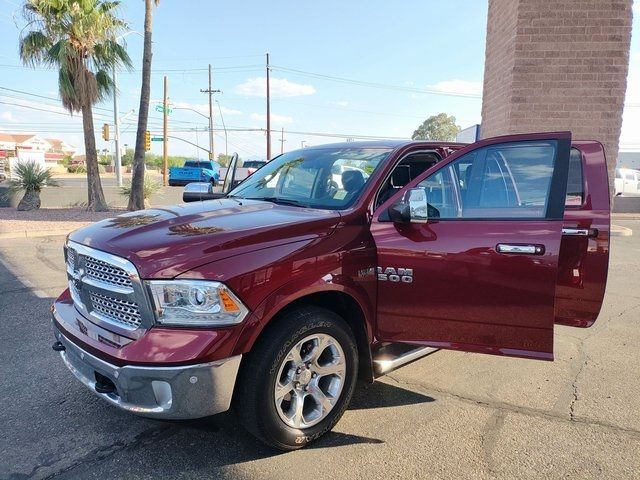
column 40, row 233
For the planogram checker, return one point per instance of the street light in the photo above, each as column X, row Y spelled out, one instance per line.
column 226, row 143
column 193, row 110
column 116, row 116
column 203, row 115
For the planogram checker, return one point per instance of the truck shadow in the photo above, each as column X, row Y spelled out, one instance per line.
column 380, row 395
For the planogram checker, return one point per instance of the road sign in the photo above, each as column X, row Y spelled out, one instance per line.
column 160, row 109
column 157, row 139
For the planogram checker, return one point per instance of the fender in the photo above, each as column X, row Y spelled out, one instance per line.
column 284, row 296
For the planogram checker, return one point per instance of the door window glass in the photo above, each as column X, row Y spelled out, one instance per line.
column 440, row 192
column 575, row 182
column 498, row 181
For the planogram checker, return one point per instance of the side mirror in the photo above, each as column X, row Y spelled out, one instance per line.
column 197, row 191
column 418, row 205
column 413, row 208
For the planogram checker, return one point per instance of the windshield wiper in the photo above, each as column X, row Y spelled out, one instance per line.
column 280, row 201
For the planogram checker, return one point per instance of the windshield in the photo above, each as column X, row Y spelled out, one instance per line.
column 330, row 178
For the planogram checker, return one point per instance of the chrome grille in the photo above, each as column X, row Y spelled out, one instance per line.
column 107, row 290
column 121, row 311
column 107, row 273
column 71, row 258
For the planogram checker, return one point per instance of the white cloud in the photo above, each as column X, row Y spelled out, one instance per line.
column 280, row 87
column 340, row 103
column 462, row 87
column 636, row 7
column 204, row 108
column 277, row 119
column 8, row 116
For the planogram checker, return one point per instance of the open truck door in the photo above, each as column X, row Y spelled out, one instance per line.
column 471, row 254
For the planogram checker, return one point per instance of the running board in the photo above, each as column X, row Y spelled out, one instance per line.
column 394, row 356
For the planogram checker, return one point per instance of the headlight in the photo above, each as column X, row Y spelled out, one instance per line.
column 195, row 303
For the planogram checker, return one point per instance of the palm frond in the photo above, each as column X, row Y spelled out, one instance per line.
column 109, row 54
column 34, row 47
column 105, row 85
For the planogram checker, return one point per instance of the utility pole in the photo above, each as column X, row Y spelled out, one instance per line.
column 268, row 114
column 282, row 140
column 116, row 121
column 210, row 91
column 165, row 134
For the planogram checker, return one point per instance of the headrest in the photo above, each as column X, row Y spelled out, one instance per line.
column 400, row 176
column 352, row 180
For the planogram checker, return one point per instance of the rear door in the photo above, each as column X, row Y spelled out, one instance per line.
column 584, row 251
column 480, row 273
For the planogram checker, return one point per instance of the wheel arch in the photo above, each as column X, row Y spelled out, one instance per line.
column 337, row 301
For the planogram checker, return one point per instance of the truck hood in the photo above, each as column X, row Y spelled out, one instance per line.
column 165, row 242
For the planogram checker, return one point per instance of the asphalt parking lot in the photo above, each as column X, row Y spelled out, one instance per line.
column 449, row 415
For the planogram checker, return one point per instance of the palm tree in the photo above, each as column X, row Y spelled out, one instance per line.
column 78, row 38
column 136, row 198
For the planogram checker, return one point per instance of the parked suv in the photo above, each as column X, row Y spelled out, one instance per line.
column 276, row 298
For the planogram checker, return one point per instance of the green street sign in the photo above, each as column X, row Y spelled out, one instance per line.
column 160, row 109
column 157, row 139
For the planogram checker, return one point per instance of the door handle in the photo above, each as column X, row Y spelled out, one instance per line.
column 580, row 232
column 520, row 249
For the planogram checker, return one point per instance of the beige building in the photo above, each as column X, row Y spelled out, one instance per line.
column 55, row 149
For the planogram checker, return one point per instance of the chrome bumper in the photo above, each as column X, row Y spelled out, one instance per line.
column 191, row 391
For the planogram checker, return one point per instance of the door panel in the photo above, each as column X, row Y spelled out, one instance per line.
column 463, row 291
column 584, row 251
column 464, row 294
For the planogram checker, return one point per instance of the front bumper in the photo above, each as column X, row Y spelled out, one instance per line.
column 182, row 392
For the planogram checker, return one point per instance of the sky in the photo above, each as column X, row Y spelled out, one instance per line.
column 348, row 69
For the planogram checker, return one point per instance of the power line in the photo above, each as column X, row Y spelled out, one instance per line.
column 374, row 84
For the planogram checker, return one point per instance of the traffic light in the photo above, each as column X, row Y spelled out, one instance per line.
column 147, row 141
column 105, row 132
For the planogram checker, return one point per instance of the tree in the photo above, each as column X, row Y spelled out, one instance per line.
column 127, row 158
column 223, row 160
column 78, row 38
column 136, row 198
column 437, row 127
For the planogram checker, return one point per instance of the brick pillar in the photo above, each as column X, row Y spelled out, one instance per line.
column 557, row 65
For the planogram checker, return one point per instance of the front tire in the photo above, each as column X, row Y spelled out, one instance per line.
column 299, row 379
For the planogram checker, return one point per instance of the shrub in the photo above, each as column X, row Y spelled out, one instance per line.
column 30, row 178
column 66, row 160
column 81, row 168
column 149, row 188
column 77, row 168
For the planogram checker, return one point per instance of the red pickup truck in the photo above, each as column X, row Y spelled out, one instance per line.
column 335, row 263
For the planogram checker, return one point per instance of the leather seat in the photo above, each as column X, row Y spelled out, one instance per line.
column 352, row 181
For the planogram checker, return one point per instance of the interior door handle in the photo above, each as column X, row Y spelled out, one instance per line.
column 520, row 249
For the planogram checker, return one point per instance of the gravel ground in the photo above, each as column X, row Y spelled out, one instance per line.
column 12, row 221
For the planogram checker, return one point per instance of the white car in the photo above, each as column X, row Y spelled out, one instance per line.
column 627, row 182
